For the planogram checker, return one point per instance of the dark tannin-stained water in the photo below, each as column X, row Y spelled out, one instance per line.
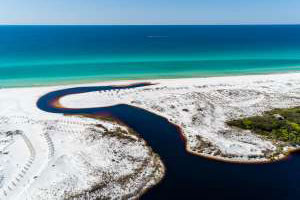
column 189, row 176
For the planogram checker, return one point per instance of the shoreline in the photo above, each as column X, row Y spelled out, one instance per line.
column 73, row 82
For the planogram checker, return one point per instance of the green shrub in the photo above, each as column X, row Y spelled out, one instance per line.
column 286, row 130
column 295, row 126
column 247, row 123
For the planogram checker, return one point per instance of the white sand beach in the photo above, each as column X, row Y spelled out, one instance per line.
column 52, row 156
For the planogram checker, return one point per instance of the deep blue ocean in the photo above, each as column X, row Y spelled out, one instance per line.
column 37, row 55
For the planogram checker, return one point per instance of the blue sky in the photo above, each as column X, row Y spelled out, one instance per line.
column 150, row 12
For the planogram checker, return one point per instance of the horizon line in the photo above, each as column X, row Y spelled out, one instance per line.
column 243, row 24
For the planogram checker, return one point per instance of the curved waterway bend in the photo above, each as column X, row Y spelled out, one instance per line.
column 189, row 176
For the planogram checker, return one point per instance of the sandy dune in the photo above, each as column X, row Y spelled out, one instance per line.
column 201, row 106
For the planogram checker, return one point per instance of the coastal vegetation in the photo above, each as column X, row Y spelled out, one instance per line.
column 278, row 124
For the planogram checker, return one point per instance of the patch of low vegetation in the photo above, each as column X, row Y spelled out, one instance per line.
column 279, row 124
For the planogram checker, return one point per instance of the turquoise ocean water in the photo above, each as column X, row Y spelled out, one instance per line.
column 42, row 55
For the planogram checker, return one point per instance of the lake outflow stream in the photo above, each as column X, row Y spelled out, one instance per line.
column 189, row 176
